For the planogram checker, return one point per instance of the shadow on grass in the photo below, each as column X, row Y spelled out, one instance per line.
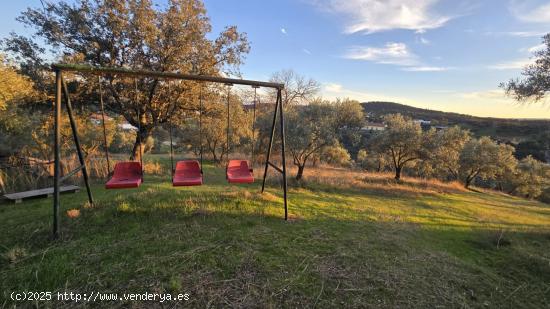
column 239, row 259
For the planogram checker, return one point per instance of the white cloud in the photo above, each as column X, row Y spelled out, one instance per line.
column 495, row 94
column 283, row 31
column 444, row 91
column 332, row 87
column 425, row 69
column 533, row 49
column 369, row 16
column 424, row 41
column 511, row 65
column 520, row 34
column 391, row 53
column 527, row 12
column 307, row 51
column 526, row 34
column 333, row 91
column 536, row 48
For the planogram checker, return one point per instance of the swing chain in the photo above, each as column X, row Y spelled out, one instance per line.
column 254, row 126
column 200, row 124
column 139, row 127
column 228, row 145
column 106, row 147
column 171, row 141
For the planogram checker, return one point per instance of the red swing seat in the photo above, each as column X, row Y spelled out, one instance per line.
column 238, row 171
column 187, row 173
column 125, row 175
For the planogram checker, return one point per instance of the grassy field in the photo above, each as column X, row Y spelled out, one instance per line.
column 354, row 240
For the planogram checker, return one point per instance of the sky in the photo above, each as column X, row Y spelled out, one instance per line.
column 448, row 55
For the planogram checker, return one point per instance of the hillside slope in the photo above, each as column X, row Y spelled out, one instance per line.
column 518, row 129
column 354, row 240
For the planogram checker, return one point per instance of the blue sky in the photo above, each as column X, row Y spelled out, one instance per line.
column 437, row 54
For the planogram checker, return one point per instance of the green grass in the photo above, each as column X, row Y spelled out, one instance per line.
column 227, row 245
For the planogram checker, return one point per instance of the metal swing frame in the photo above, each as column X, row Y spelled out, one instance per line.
column 62, row 92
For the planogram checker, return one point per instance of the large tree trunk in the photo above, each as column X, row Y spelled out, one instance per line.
column 300, row 173
column 469, row 179
column 398, row 170
column 142, row 137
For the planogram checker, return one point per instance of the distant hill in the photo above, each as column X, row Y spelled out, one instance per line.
column 513, row 130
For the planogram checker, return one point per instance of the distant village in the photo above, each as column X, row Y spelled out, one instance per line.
column 373, row 126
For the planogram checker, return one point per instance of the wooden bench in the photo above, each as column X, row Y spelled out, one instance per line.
column 46, row 192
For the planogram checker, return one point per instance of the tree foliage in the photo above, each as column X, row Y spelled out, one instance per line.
column 14, row 87
column 403, row 141
column 530, row 178
column 137, row 34
column 309, row 129
column 349, row 121
column 483, row 158
column 336, row 155
column 535, row 83
column 445, row 148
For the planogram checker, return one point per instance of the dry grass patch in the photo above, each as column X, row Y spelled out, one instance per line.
column 351, row 179
column 153, row 168
column 73, row 213
column 268, row 197
column 15, row 254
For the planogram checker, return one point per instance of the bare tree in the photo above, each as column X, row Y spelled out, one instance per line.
column 298, row 89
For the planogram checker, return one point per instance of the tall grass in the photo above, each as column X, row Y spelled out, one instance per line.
column 23, row 177
column 343, row 178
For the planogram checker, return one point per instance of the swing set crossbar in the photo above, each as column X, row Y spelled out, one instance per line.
column 168, row 75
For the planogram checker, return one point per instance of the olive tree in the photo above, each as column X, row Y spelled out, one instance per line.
column 529, row 178
column 310, row 128
column 349, row 120
column 403, row 141
column 444, row 151
column 485, row 159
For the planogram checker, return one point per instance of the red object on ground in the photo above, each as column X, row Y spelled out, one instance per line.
column 238, row 171
column 126, row 175
column 188, row 173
